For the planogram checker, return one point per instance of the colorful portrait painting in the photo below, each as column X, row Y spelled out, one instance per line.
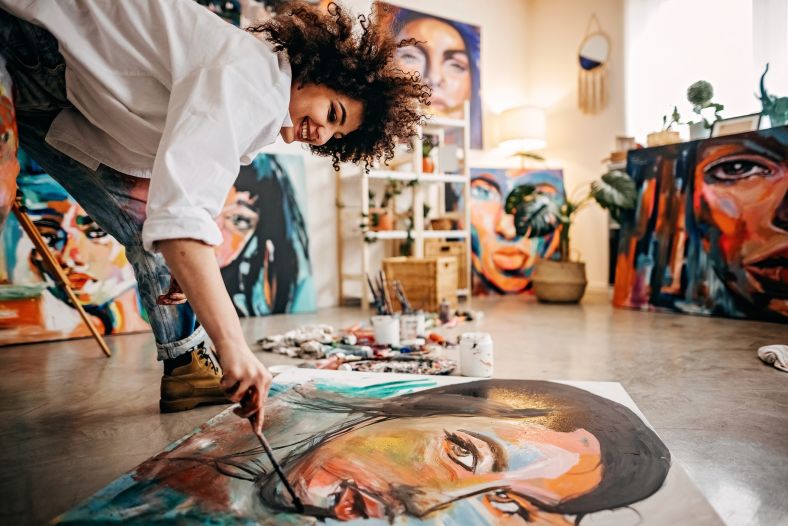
column 445, row 54
column 264, row 256
column 33, row 308
column 365, row 448
column 503, row 261
column 709, row 234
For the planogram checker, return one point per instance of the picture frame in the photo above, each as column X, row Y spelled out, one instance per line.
column 734, row 125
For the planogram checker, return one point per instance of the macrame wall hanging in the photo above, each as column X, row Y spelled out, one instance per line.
column 592, row 85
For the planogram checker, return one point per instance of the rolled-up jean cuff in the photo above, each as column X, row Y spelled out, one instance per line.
column 166, row 351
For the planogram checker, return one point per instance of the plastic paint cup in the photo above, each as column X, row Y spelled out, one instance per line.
column 476, row 354
column 386, row 330
column 412, row 326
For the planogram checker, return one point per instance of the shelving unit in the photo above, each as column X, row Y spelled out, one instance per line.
column 436, row 126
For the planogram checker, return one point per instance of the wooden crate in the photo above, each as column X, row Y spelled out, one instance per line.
column 426, row 281
column 434, row 248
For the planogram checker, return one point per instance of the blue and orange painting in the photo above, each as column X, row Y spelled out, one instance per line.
column 503, row 260
column 378, row 449
column 709, row 234
column 264, row 256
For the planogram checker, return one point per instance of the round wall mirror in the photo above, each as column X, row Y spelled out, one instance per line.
column 594, row 51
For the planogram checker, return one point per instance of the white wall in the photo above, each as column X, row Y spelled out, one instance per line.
column 673, row 43
column 577, row 142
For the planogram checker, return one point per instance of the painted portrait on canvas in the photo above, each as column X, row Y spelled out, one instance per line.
column 264, row 255
column 424, row 450
column 446, row 56
column 502, row 260
column 710, row 231
column 33, row 307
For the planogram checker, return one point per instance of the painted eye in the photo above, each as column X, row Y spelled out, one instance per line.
column 460, row 451
column 733, row 169
column 483, row 191
column 5, row 137
column 95, row 233
column 241, row 222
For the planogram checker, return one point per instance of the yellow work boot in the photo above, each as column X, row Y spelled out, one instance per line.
column 195, row 383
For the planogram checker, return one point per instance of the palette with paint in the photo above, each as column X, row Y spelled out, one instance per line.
column 405, row 449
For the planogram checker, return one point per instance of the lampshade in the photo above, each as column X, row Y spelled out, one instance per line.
column 523, row 129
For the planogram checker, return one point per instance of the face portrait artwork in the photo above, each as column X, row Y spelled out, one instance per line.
column 445, row 54
column 401, row 449
column 502, row 260
column 264, row 254
column 94, row 262
column 714, row 238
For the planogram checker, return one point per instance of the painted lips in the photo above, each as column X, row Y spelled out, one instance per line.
column 509, row 258
column 354, row 503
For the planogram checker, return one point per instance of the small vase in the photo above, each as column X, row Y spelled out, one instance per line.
column 427, row 165
column 699, row 131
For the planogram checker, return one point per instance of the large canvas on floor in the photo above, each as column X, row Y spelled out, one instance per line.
column 503, row 261
column 403, row 449
column 710, row 231
column 264, row 256
column 446, row 55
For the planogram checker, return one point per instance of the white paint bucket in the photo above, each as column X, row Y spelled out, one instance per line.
column 476, row 354
column 412, row 326
column 386, row 330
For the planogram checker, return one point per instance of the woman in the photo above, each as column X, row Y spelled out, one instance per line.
column 264, row 255
column 168, row 98
column 490, row 451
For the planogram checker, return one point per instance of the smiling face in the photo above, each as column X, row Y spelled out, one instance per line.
column 417, row 465
column 441, row 58
column 320, row 113
column 503, row 258
column 743, row 197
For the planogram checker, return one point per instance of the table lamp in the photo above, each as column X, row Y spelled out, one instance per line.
column 522, row 130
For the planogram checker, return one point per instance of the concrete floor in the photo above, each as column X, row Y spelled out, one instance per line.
column 71, row 420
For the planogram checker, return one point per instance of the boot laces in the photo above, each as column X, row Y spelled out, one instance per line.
column 207, row 360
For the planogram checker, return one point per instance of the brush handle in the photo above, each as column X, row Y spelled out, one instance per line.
column 270, row 453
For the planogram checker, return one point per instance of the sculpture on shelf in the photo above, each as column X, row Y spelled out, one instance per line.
column 775, row 107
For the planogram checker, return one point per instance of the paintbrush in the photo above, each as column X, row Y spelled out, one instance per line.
column 268, row 451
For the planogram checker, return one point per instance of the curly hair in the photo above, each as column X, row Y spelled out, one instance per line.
column 323, row 48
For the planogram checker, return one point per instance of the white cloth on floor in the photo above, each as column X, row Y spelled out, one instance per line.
column 776, row 355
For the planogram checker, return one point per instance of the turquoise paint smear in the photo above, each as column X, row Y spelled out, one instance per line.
column 383, row 390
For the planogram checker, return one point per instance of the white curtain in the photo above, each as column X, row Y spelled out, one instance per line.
column 669, row 44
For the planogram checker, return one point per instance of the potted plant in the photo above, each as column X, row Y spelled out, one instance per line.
column 666, row 135
column 428, row 143
column 537, row 214
column 699, row 95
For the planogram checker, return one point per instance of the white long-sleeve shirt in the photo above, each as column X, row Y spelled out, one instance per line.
column 166, row 90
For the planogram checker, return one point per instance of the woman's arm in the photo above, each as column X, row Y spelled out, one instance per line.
column 193, row 264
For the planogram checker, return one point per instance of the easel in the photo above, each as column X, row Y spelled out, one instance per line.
column 54, row 269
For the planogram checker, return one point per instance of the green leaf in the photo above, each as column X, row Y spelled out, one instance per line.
column 615, row 191
column 535, row 213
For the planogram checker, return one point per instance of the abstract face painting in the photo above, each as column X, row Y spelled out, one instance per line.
column 445, row 54
column 264, row 255
column 94, row 262
column 503, row 260
column 413, row 450
column 710, row 233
